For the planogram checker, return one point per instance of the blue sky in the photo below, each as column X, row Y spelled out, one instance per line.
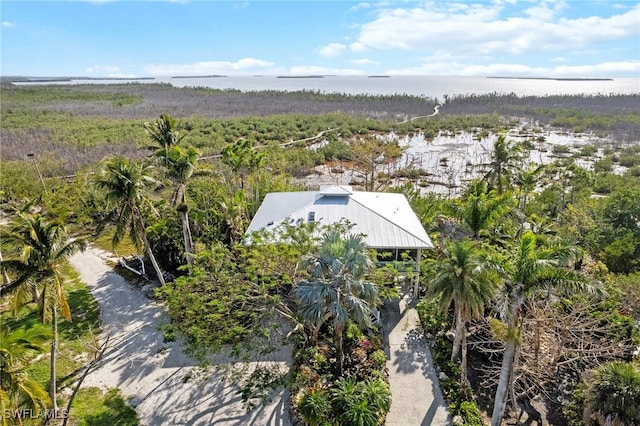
column 580, row 38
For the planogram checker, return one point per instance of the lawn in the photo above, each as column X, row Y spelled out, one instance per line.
column 77, row 344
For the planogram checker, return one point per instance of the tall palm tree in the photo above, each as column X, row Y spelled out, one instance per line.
column 180, row 164
column 45, row 247
column 335, row 289
column 614, row 394
column 17, row 389
column 164, row 133
column 532, row 269
column 126, row 185
column 467, row 281
column 504, row 159
column 481, row 208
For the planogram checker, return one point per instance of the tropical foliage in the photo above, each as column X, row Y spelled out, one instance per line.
column 44, row 248
column 521, row 221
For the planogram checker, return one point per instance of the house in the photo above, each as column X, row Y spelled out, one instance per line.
column 386, row 220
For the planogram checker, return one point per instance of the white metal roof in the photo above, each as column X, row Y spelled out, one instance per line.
column 386, row 219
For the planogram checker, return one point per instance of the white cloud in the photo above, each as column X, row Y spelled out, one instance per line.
column 332, row 50
column 8, row 24
column 245, row 65
column 447, row 67
column 473, row 29
column 559, row 59
column 103, row 70
column 359, row 6
column 605, row 68
column 363, row 62
column 319, row 70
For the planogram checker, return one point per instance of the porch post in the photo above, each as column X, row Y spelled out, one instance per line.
column 416, row 285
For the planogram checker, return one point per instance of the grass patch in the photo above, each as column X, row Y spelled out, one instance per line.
column 74, row 335
column 125, row 248
column 93, row 407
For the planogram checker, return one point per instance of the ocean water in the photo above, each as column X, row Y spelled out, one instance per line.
column 426, row 86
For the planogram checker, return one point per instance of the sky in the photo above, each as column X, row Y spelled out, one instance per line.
column 120, row 38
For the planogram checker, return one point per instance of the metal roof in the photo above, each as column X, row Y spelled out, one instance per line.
column 386, row 219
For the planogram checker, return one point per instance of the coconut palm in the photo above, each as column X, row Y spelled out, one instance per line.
column 242, row 157
column 467, row 281
column 481, row 208
column 126, row 185
column 45, row 247
column 504, row 160
column 164, row 133
column 180, row 164
column 532, row 269
column 335, row 289
column 17, row 389
column 614, row 394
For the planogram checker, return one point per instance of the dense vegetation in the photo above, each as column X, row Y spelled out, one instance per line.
column 537, row 276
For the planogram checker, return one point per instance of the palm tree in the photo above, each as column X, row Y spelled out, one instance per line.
column 504, row 159
column 126, row 185
column 164, row 133
column 335, row 289
column 242, row 157
column 16, row 388
column 481, row 209
column 181, row 164
column 532, row 269
column 465, row 280
column 613, row 395
column 45, row 247
column 527, row 180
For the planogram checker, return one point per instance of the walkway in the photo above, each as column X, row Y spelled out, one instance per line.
column 416, row 396
column 164, row 384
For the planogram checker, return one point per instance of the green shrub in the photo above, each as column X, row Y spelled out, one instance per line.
column 361, row 403
column 470, row 413
column 588, row 150
column 432, row 320
column 603, row 165
column 314, row 406
column 613, row 394
column 379, row 358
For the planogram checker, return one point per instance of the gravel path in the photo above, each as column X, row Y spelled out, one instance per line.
column 162, row 382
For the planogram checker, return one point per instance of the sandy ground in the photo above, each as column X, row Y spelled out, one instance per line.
column 165, row 386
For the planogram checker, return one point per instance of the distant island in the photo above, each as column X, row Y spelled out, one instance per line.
column 556, row 78
column 379, row 76
column 199, row 76
column 300, row 76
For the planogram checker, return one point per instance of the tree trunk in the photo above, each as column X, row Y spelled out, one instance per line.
column 512, row 389
column 505, row 373
column 54, row 351
column 463, row 363
column 186, row 233
column 5, row 276
column 457, row 338
column 34, row 294
column 154, row 262
column 339, row 351
column 315, row 329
